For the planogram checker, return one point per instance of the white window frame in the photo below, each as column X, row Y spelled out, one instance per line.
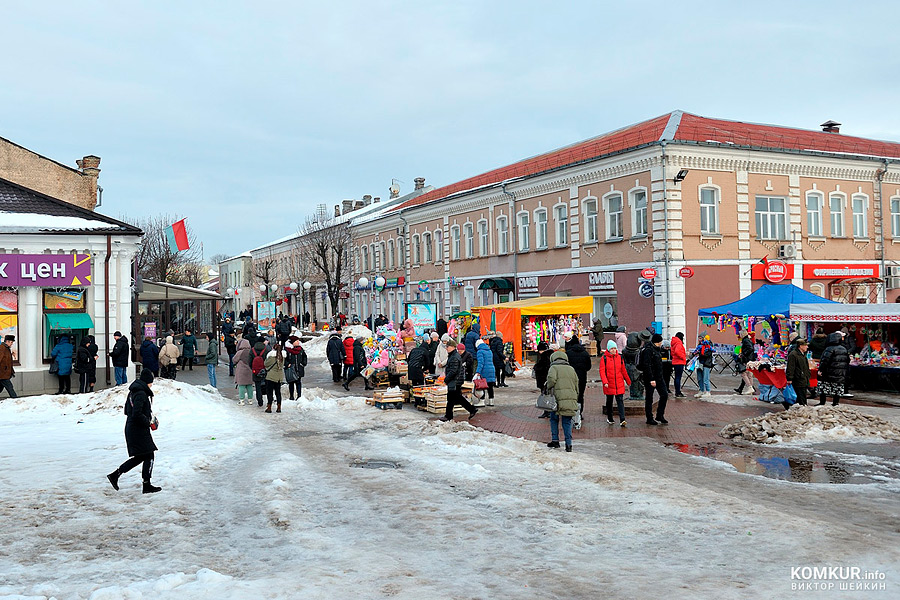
column 636, row 230
column 860, row 220
column 710, row 208
column 416, row 249
column 768, row 221
column 365, row 254
column 455, row 237
column 612, row 236
column 484, row 239
column 591, row 232
column 836, row 225
column 428, row 249
column 401, row 252
column 438, row 246
column 894, row 206
column 382, row 255
column 561, row 224
column 814, row 218
column 469, row 237
column 523, row 233
column 391, row 254
column 502, row 234
column 540, row 229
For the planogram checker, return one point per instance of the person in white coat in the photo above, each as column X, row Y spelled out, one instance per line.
column 441, row 356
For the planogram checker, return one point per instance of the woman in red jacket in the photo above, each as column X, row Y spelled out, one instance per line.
column 615, row 379
column 348, row 357
column 679, row 359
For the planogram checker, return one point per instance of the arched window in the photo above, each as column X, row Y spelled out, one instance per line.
column 502, row 235
column 483, row 238
column 612, row 206
column 561, row 224
column 427, row 248
column 709, row 209
column 814, row 202
column 454, row 243
column 469, row 233
column 859, row 204
column 540, row 228
column 637, row 199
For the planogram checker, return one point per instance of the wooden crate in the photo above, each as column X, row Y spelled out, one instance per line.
column 388, row 404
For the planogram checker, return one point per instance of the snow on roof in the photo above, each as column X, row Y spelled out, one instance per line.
column 43, row 222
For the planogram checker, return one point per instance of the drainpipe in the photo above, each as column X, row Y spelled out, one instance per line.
column 666, row 238
column 879, row 178
column 512, row 231
column 406, row 270
column 106, row 300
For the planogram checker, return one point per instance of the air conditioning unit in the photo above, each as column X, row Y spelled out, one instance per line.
column 787, row 251
column 893, row 271
column 893, row 283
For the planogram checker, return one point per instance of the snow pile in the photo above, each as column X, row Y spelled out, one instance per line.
column 315, row 348
column 812, row 424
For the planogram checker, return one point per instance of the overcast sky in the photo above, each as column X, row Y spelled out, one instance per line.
column 243, row 116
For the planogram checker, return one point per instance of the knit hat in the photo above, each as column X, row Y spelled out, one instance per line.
column 611, row 345
column 656, row 339
column 117, row 334
column 445, row 338
column 542, row 346
column 680, row 336
column 620, row 329
column 147, row 376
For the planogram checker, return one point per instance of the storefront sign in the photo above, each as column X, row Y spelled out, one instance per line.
column 600, row 281
column 45, row 270
column 645, row 289
column 649, row 273
column 455, row 282
column 838, row 271
column 686, row 272
column 758, row 271
column 395, row 282
column 528, row 286
column 775, row 271
column 423, row 315
column 150, row 329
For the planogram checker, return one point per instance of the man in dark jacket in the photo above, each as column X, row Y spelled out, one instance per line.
column 359, row 364
column 150, row 356
column 496, row 346
column 454, row 376
column 472, row 336
column 83, row 365
column 833, row 368
column 580, row 360
column 748, row 354
column 231, row 349
column 283, row 331
column 797, row 373
column 119, row 357
column 416, row 361
column 334, row 351
column 468, row 361
column 137, row 433
column 541, row 366
column 6, row 366
column 249, row 331
column 228, row 327
column 441, row 327
column 651, row 371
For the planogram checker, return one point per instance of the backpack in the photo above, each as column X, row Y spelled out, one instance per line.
column 258, row 366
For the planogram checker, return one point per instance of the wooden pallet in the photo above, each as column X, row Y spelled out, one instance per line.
column 389, row 404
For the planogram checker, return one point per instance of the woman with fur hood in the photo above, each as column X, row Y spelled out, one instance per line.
column 243, row 375
column 168, row 358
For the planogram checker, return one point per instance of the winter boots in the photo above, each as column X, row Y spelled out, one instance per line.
column 114, row 479
column 269, row 407
column 149, row 488
column 278, row 409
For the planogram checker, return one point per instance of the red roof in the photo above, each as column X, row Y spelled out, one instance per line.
column 677, row 126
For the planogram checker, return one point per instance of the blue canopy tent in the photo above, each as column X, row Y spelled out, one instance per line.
column 770, row 299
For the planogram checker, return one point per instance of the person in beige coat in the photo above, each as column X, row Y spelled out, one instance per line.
column 168, row 358
column 562, row 382
column 441, row 356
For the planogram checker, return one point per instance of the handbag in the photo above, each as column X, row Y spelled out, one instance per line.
column 54, row 367
column 509, row 369
column 154, row 423
column 290, row 375
column 546, row 402
column 481, row 383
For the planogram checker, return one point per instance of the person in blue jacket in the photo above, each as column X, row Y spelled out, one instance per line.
column 62, row 353
column 485, row 368
column 150, row 356
column 473, row 336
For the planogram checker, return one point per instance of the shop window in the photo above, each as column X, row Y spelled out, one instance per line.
column 502, row 235
column 709, row 210
column 814, row 202
column 859, row 204
column 416, row 250
column 540, row 229
column 469, row 230
column 836, row 208
column 427, row 248
column 561, row 219
column 613, row 208
column 483, row 238
column 590, row 221
column 637, row 198
column 183, row 316
column 895, row 216
column 771, row 218
column 454, row 243
column 523, row 233
column 9, row 318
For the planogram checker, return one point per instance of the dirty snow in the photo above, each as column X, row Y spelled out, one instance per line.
column 813, row 424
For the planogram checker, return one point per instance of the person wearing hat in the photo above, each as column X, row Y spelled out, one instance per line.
column 7, row 372
column 580, row 360
column 748, row 355
column 138, row 438
column 540, row 370
column 119, row 357
column 706, row 360
column 297, row 361
column 335, row 352
column 441, row 355
column 797, row 373
column 651, row 371
column 614, row 377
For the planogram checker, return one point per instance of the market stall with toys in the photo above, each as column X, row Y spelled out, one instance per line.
column 528, row 322
column 766, row 315
column 873, row 331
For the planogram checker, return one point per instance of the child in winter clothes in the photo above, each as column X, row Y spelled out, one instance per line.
column 615, row 379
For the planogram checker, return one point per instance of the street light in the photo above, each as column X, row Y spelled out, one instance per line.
column 306, row 286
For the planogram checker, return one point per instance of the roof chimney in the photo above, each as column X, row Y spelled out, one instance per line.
column 367, row 199
column 831, row 127
column 89, row 166
column 420, row 183
column 358, row 204
column 347, row 206
column 337, row 210
column 376, row 199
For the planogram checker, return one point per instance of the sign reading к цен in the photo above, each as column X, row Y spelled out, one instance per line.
column 45, row 270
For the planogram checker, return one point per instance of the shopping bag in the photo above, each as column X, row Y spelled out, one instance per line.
column 481, row 383
column 546, row 402
column 790, row 396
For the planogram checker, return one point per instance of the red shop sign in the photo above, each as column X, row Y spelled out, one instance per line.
column 649, row 273
column 775, row 271
column 759, row 272
column 686, row 272
column 839, row 271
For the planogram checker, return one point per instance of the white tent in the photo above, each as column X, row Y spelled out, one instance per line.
column 846, row 313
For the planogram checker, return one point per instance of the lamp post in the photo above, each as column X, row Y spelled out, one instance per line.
column 230, row 293
column 363, row 283
column 306, row 286
column 293, row 285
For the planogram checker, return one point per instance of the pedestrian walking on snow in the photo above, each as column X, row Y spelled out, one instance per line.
column 243, row 375
column 212, row 358
column 138, row 439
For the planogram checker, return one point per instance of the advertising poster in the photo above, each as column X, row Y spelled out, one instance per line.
column 66, row 300
column 423, row 315
column 150, row 329
column 265, row 314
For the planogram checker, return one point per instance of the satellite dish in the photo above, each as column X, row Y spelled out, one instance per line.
column 394, row 189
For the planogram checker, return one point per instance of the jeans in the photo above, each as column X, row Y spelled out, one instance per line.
column 6, row 384
column 620, row 401
column 703, row 378
column 121, row 377
column 211, row 373
column 245, row 391
column 679, row 371
column 566, row 426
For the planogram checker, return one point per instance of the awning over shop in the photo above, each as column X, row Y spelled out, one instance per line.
column 497, row 283
column 507, row 316
column 767, row 300
column 57, row 321
column 846, row 313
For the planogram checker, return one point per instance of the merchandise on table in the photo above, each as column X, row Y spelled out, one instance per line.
column 550, row 329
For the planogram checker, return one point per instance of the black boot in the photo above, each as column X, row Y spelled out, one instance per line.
column 835, row 402
column 114, row 479
column 553, row 445
column 149, row 488
column 568, row 448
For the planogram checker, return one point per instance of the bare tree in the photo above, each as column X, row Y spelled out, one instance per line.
column 264, row 269
column 322, row 245
column 215, row 259
column 155, row 259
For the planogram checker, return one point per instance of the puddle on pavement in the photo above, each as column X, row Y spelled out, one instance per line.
column 881, row 462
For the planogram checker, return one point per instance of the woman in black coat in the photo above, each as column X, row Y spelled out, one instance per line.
column 496, row 346
column 83, row 366
column 541, row 368
column 833, row 367
column 359, row 364
column 137, row 433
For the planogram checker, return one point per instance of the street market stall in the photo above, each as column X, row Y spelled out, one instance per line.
column 528, row 322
